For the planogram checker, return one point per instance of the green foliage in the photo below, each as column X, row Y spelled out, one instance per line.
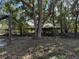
column 61, row 57
column 59, row 15
column 2, row 49
column 7, row 7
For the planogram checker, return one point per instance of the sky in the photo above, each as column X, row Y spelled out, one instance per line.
column 3, row 1
column 2, row 4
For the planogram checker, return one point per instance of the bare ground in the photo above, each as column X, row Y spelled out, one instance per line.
column 26, row 47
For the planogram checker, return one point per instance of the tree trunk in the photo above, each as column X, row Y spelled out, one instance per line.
column 34, row 17
column 21, row 31
column 65, row 28
column 75, row 29
column 61, row 19
column 65, row 25
column 10, row 28
column 53, row 7
column 40, row 8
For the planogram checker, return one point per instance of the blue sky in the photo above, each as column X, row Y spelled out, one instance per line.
column 2, row 2
column 18, row 5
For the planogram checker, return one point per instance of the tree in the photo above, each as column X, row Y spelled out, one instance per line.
column 8, row 9
column 74, row 10
column 40, row 8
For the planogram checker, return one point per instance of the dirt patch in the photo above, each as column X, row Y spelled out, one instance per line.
column 45, row 48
